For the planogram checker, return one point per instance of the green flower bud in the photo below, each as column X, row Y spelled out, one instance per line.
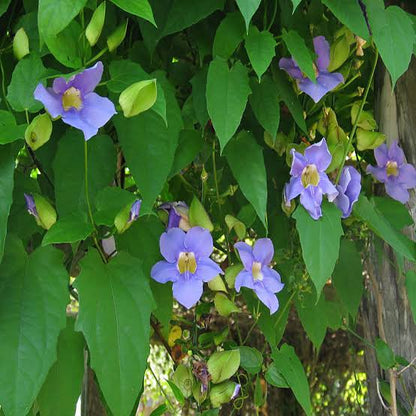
column 127, row 216
column 95, row 26
column 198, row 216
column 369, row 139
column 20, row 44
column 217, row 284
column 231, row 273
column 366, row 120
column 288, row 207
column 340, row 50
column 223, row 393
column 237, row 225
column 114, row 40
column 138, row 97
column 223, row 364
column 46, row 212
column 39, row 131
column 199, row 393
column 184, row 380
column 223, row 305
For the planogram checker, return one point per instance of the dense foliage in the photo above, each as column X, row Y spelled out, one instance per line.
column 226, row 146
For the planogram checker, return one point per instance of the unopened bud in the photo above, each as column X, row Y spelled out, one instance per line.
column 360, row 43
column 95, row 26
column 41, row 209
column 217, row 284
column 138, row 97
column 223, row 393
column 198, row 216
column 223, row 305
column 115, row 39
column 287, row 206
column 127, row 216
column 39, row 131
column 20, row 44
column 223, row 364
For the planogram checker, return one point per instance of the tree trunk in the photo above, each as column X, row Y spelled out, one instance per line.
column 385, row 309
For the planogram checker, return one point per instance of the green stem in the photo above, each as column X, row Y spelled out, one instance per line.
column 161, row 388
column 254, row 323
column 273, row 15
column 3, row 86
column 354, row 128
column 99, row 54
column 282, row 313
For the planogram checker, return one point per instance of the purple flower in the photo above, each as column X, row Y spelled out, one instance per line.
column 187, row 263
column 309, row 179
column 348, row 188
column 236, row 392
column 75, row 101
column 325, row 81
column 31, row 206
column 134, row 211
column 392, row 170
column 178, row 215
column 257, row 275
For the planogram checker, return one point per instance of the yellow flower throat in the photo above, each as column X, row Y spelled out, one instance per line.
column 71, row 98
column 186, row 262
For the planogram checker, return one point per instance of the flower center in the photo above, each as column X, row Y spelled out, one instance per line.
column 71, row 98
column 186, row 262
column 391, row 168
column 256, row 271
column 310, row 176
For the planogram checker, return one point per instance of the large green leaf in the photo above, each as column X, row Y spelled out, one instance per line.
column 7, row 163
column 229, row 35
column 60, row 392
column 260, row 49
column 54, row 16
column 300, row 52
column 251, row 359
column 392, row 28
column 68, row 168
column 245, row 158
column 265, row 103
column 247, row 9
column 397, row 213
column 120, row 321
column 227, row 92
column 319, row 240
column 139, row 8
column 26, row 76
column 350, row 14
column 367, row 212
column 348, row 277
column 33, row 299
column 289, row 366
column 4, row 5
column 9, row 131
column 411, row 291
column 199, row 96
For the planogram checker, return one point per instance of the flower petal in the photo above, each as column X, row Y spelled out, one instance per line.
column 298, row 163
column 51, row 101
column 327, row 187
column 343, row 203
column 172, row 244
column 378, row 172
column 199, row 241
column 267, row 298
column 293, row 188
column 187, row 291
column 246, row 254
column 396, row 153
column 397, row 192
column 381, row 155
column 207, row 269
column 289, row 65
column 407, row 176
column 164, row 272
column 263, row 251
column 87, row 80
column 60, row 85
column 271, row 280
column 315, row 90
column 330, row 80
column 245, row 279
column 311, row 199
column 321, row 46
column 319, row 155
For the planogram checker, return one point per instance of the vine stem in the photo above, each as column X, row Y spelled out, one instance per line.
column 160, row 386
column 99, row 54
column 360, row 110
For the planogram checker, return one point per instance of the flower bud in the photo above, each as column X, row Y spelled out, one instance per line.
column 223, row 364
column 287, row 206
column 340, row 50
column 231, row 273
column 184, row 380
column 41, row 209
column 223, row 305
column 39, row 131
column 369, row 139
column 20, row 44
column 178, row 215
column 138, row 97
column 217, row 284
column 360, row 44
column 237, row 225
column 114, row 40
column 127, row 216
column 198, row 216
column 223, row 393
column 95, row 26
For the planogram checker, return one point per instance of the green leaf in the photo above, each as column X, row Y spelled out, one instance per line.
column 247, row 9
column 222, row 365
column 350, row 14
column 295, row 4
column 300, row 52
column 251, row 359
column 9, row 131
column 286, row 93
column 60, row 392
column 348, row 277
column 7, row 164
column 411, row 291
column 199, row 98
column 319, row 240
column 120, row 321
column 229, row 35
column 396, row 212
column 160, row 410
column 289, row 365
column 385, row 355
column 69, row 229
column 245, row 158
column 275, row 378
column 4, row 5
column 176, row 392
column 139, row 8
column 54, row 16
column 29, row 329
column 392, row 28
column 27, row 74
column 265, row 103
column 260, row 49
column 68, row 167
column 150, row 155
column 227, row 92
column 368, row 213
